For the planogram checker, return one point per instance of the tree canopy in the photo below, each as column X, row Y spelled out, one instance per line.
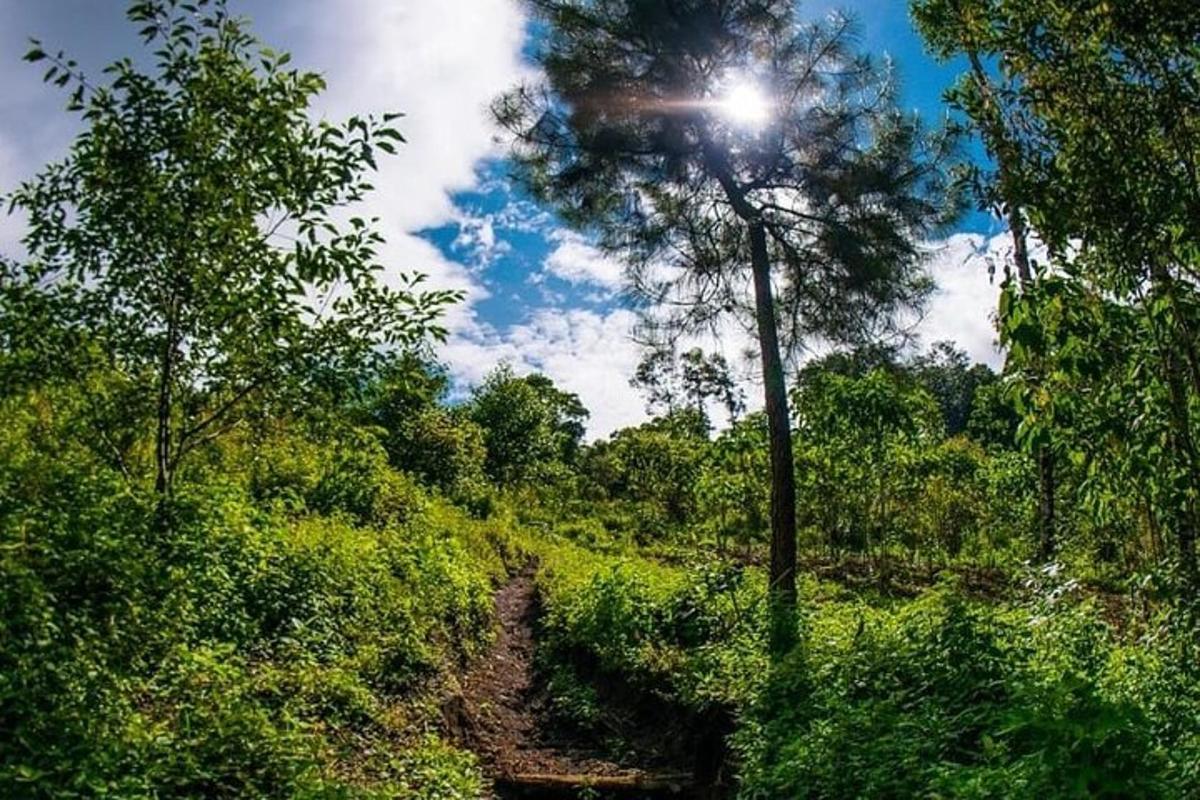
column 193, row 237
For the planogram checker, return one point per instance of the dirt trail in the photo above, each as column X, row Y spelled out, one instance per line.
column 503, row 715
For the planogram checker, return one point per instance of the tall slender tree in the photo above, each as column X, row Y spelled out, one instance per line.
column 980, row 95
column 673, row 380
column 743, row 163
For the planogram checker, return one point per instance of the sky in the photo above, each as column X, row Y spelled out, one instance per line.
column 537, row 294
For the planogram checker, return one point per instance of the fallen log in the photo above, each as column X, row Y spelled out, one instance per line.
column 539, row 785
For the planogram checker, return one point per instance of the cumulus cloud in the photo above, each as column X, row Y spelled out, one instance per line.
column 963, row 308
column 440, row 64
column 576, row 261
column 7, row 166
column 11, row 225
column 479, row 239
column 592, row 354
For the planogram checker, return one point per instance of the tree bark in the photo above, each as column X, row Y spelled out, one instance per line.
column 162, row 448
column 782, row 587
column 1047, row 480
column 1183, row 509
column 163, row 455
column 1048, row 541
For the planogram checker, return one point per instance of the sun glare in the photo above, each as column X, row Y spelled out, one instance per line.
column 745, row 104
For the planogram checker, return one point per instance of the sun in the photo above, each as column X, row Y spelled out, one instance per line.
column 745, row 104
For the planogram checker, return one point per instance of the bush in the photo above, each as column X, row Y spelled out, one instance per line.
column 444, row 449
column 254, row 650
column 946, row 698
column 694, row 636
column 343, row 472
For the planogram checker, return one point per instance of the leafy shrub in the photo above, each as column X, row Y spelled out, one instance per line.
column 356, row 479
column 945, row 698
column 694, row 636
column 443, row 448
column 343, row 472
column 239, row 653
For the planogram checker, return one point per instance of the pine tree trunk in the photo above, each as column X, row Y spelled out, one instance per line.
column 782, row 586
column 782, row 577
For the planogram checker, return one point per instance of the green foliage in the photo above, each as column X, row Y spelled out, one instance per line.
column 734, row 487
column 191, row 237
column 442, row 448
column 949, row 698
column 819, row 209
column 944, row 696
column 243, row 653
column 575, row 702
column 1109, row 411
column 690, row 380
column 299, row 468
column 337, row 528
column 693, row 635
column 1088, row 116
column 527, row 422
column 947, row 373
column 652, row 470
column 993, row 420
column 844, row 196
column 854, row 437
column 445, row 449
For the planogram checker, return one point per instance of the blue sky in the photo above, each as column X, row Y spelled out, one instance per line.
column 538, row 295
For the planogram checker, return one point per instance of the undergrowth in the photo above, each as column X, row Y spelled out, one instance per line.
column 275, row 642
column 942, row 696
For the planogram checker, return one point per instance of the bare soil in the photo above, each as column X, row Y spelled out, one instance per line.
column 503, row 714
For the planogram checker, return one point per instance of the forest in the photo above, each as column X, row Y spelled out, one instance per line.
column 258, row 539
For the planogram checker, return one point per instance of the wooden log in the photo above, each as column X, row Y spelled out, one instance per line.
column 539, row 785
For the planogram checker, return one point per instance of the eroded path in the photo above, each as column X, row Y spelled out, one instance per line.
column 503, row 715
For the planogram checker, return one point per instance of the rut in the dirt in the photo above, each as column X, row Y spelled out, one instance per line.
column 503, row 715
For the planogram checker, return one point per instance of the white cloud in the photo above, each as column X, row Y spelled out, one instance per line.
column 8, row 167
column 585, row 352
column 441, row 64
column 964, row 306
column 518, row 215
column 477, row 233
column 589, row 353
column 477, row 239
column 576, row 261
column 594, row 355
column 11, row 225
